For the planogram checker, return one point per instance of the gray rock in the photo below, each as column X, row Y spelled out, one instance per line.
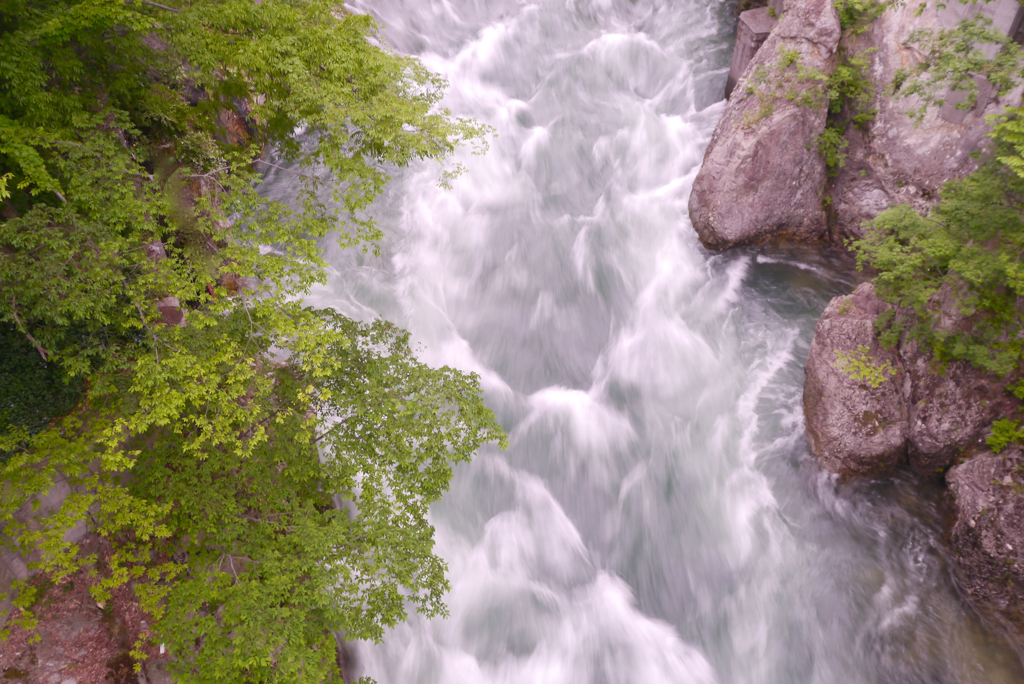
column 988, row 532
column 762, row 177
column 754, row 27
column 894, row 160
column 853, row 427
column 157, row 671
column 952, row 406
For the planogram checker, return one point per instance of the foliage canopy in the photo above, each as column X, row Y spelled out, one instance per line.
column 222, row 421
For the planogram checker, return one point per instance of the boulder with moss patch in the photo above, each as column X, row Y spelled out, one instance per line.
column 854, row 398
column 762, row 177
column 871, row 408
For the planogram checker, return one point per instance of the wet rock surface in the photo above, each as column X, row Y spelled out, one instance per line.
column 853, row 426
column 988, row 532
column 762, row 177
column 931, row 412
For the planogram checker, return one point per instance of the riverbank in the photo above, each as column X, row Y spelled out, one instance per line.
column 79, row 641
column 892, row 381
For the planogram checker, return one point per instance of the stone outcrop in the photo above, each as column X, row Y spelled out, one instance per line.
column 918, row 412
column 763, row 179
column 988, row 532
column 762, row 176
column 951, row 406
column 753, row 29
column 931, row 417
column 854, row 427
column 892, row 159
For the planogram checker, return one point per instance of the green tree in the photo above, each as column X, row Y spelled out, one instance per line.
column 963, row 259
column 223, row 422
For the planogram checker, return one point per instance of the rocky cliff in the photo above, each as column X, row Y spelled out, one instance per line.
column 894, row 159
column 764, row 178
column 872, row 407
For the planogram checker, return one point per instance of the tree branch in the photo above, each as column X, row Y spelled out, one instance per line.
column 210, row 174
column 294, row 173
column 159, row 6
column 39, row 348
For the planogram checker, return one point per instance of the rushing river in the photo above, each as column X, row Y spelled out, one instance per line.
column 657, row 517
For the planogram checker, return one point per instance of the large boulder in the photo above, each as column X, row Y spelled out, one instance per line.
column 762, row 177
column 854, row 393
column 931, row 411
column 988, row 530
column 952, row 403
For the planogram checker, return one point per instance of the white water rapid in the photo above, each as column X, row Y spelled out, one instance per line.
column 657, row 517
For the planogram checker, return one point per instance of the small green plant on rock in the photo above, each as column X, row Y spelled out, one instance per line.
column 849, row 93
column 787, row 78
column 1003, row 433
column 831, row 144
column 855, row 16
column 753, row 117
column 952, row 59
column 787, row 58
column 808, row 88
column 757, row 82
column 849, row 87
column 859, row 366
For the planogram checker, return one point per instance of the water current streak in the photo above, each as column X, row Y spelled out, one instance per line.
column 657, row 517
